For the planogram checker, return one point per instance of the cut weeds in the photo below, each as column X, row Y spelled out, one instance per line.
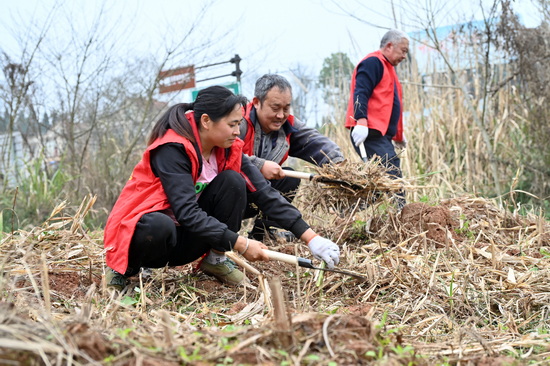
column 434, row 296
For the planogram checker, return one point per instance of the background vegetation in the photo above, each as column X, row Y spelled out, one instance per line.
column 475, row 111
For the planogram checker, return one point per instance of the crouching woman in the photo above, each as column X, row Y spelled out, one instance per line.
column 187, row 196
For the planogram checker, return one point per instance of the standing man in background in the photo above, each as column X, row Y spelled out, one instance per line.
column 271, row 134
column 375, row 108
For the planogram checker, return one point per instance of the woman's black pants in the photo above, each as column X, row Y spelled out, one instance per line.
column 158, row 242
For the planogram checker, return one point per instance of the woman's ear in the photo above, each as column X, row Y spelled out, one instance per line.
column 205, row 121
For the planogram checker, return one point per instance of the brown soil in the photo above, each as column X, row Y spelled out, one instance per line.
column 437, row 221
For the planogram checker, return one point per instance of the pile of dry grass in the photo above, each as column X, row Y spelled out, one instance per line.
column 462, row 281
column 354, row 184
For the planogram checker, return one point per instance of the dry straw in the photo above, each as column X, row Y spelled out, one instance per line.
column 462, row 280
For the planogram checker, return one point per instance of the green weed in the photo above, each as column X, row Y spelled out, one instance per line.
column 384, row 339
column 37, row 193
column 194, row 356
column 464, row 228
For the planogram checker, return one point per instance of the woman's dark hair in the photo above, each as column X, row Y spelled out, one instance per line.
column 215, row 101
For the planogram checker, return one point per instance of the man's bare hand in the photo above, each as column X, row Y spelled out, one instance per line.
column 272, row 170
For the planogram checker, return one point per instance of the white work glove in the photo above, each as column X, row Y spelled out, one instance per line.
column 325, row 250
column 359, row 134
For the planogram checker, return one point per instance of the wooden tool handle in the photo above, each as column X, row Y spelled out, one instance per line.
column 287, row 258
column 363, row 152
column 276, row 256
column 299, row 175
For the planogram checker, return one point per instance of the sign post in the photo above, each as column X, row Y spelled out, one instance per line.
column 184, row 78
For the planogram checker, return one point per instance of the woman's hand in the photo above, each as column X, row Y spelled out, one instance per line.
column 255, row 252
column 322, row 248
column 251, row 249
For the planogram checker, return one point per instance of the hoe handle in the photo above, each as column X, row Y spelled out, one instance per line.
column 299, row 175
column 287, row 258
column 363, row 152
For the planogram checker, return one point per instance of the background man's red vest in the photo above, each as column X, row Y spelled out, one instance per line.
column 381, row 101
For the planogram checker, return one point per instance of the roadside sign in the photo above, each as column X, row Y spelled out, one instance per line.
column 177, row 79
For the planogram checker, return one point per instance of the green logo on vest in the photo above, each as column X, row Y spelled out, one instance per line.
column 200, row 186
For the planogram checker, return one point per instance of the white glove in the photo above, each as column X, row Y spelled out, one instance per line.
column 325, row 250
column 359, row 134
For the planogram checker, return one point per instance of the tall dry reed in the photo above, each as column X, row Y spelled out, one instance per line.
column 464, row 135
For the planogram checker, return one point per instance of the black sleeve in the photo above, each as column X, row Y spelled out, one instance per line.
column 172, row 165
column 369, row 74
column 270, row 201
column 312, row 146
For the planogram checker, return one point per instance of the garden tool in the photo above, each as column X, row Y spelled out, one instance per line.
column 321, row 179
column 363, row 152
column 306, row 263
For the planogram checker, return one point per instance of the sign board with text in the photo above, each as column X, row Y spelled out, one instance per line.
column 177, row 79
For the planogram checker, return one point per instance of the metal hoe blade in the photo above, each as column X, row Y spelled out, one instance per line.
column 322, row 179
column 306, row 263
column 342, row 272
column 325, row 180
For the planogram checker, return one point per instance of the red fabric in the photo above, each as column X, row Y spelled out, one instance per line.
column 248, row 148
column 143, row 193
column 381, row 101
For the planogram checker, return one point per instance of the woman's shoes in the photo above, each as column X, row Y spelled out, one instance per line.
column 115, row 280
column 225, row 271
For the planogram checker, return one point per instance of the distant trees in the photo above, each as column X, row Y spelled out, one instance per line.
column 336, row 70
column 529, row 75
column 83, row 103
column 334, row 78
column 334, row 81
column 331, row 85
column 304, row 104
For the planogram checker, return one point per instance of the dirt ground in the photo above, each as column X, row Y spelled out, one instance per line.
column 461, row 282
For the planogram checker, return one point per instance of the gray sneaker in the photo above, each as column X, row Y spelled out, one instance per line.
column 115, row 280
column 225, row 271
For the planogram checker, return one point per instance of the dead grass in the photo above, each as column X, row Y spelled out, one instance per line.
column 459, row 282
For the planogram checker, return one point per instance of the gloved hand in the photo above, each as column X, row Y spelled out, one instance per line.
column 325, row 250
column 359, row 134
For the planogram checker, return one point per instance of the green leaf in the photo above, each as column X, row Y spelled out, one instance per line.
column 127, row 300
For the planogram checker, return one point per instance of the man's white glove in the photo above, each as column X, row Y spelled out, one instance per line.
column 359, row 134
column 325, row 250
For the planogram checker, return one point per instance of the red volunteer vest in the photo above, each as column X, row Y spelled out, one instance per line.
column 143, row 193
column 380, row 103
column 248, row 148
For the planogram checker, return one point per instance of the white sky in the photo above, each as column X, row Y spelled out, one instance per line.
column 270, row 36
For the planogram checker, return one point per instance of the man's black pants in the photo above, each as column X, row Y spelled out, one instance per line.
column 382, row 146
column 287, row 187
